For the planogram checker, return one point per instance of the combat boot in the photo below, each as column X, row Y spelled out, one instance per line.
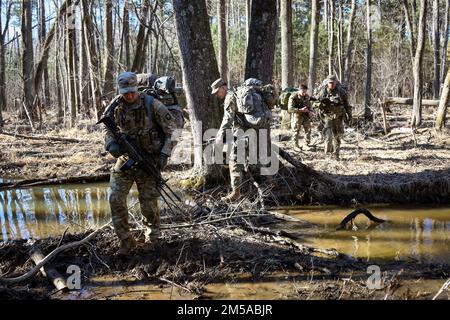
column 233, row 196
column 152, row 235
column 126, row 246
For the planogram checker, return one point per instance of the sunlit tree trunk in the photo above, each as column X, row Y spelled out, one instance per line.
column 445, row 100
column 349, row 51
column 313, row 43
column 286, row 44
column 368, row 92
column 416, row 118
column 109, row 76
column 27, row 58
column 436, row 50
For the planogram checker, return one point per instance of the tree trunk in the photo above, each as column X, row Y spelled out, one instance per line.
column 109, row 76
column 223, row 42
column 125, row 45
column 340, row 40
column 411, row 28
column 27, row 58
column 436, row 50
column 91, row 54
column 443, row 103
column 286, row 44
column 40, row 67
column 140, row 45
column 199, row 65
column 313, row 44
column 416, row 118
column 262, row 39
column 349, row 52
column 248, row 9
column 42, row 35
column 368, row 92
column 445, row 36
column 71, row 69
column 331, row 37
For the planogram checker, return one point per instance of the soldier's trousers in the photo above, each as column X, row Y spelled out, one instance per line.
column 121, row 183
column 297, row 123
column 248, row 154
column 334, row 129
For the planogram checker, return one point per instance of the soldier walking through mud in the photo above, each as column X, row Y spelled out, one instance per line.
column 150, row 125
column 299, row 107
column 247, row 108
column 333, row 109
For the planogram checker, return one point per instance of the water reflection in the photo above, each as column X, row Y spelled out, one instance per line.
column 419, row 233
column 42, row 212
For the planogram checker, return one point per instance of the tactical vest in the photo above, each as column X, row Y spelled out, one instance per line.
column 138, row 122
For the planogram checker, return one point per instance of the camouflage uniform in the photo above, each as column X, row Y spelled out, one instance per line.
column 333, row 117
column 299, row 120
column 146, row 131
column 231, row 120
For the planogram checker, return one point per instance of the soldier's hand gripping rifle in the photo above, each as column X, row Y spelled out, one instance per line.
column 142, row 160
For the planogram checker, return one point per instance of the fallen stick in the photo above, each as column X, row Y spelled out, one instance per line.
column 49, row 272
column 52, row 255
column 355, row 213
column 24, row 184
column 444, row 287
column 44, row 138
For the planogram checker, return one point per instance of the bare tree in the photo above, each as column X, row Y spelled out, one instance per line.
column 445, row 36
column 108, row 89
column 331, row 36
column 445, row 100
column 262, row 39
column 436, row 50
column 71, row 66
column 125, row 43
column 368, row 92
column 416, row 118
column 42, row 36
column 91, row 54
column 223, row 43
column 3, row 30
column 138, row 62
column 27, row 59
column 349, row 51
column 286, row 44
column 199, row 66
column 313, row 43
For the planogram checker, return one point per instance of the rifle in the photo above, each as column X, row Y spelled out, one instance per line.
column 143, row 160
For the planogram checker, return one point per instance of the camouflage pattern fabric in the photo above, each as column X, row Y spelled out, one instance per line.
column 300, row 120
column 151, row 129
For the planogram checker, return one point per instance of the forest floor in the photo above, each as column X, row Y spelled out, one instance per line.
column 194, row 260
column 367, row 154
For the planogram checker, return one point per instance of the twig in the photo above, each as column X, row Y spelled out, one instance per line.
column 444, row 287
column 52, row 255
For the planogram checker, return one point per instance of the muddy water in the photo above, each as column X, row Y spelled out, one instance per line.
column 410, row 233
column 42, row 212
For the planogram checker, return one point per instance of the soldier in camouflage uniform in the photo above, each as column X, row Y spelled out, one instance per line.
column 299, row 107
column 231, row 121
column 333, row 109
column 149, row 123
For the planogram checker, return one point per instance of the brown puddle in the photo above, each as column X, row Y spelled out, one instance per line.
column 418, row 233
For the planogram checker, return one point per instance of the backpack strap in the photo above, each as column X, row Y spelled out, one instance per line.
column 150, row 111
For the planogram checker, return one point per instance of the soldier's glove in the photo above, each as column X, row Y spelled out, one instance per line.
column 163, row 159
column 114, row 150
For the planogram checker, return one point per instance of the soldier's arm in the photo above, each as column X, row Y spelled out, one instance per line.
column 109, row 112
column 228, row 116
column 167, row 123
column 347, row 107
column 291, row 104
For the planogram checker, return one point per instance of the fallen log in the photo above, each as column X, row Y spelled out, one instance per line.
column 409, row 101
column 49, row 272
column 29, row 183
column 42, row 138
column 354, row 214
